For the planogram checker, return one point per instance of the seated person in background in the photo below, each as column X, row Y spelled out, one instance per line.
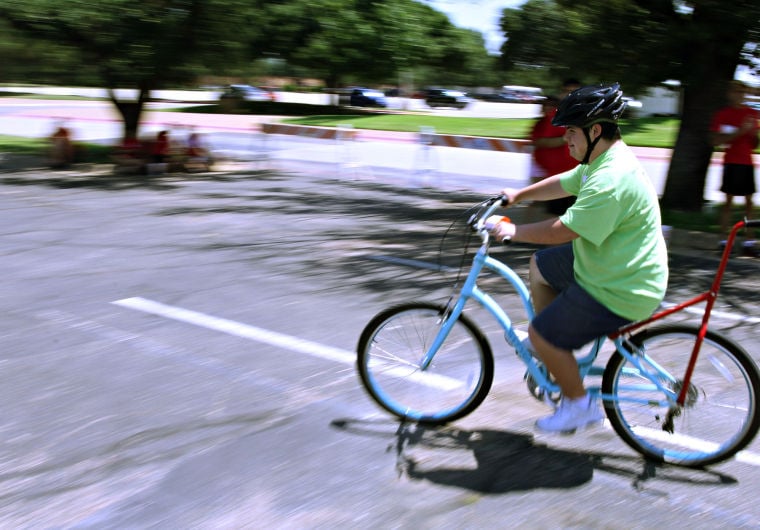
column 198, row 157
column 130, row 156
column 161, row 148
column 160, row 153
column 61, row 149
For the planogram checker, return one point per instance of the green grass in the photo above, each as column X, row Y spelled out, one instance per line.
column 22, row 145
column 93, row 153
column 501, row 128
column 48, row 97
column 706, row 220
column 645, row 132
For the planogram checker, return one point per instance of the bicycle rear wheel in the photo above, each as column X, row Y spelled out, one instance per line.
column 391, row 348
column 720, row 415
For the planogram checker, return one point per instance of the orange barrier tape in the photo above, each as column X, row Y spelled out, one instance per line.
column 326, row 133
column 480, row 142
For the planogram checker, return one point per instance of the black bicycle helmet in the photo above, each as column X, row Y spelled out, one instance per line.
column 589, row 105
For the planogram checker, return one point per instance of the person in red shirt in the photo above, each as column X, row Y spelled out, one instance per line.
column 735, row 126
column 550, row 152
column 62, row 150
column 161, row 148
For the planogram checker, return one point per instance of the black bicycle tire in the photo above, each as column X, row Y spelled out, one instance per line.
column 743, row 359
column 486, row 357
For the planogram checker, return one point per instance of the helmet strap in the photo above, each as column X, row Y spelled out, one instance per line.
column 591, row 144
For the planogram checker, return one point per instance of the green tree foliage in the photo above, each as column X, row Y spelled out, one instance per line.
column 142, row 45
column 642, row 43
column 157, row 44
column 369, row 41
column 36, row 61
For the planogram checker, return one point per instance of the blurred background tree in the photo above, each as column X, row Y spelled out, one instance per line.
column 355, row 42
column 125, row 44
column 158, row 44
column 642, row 43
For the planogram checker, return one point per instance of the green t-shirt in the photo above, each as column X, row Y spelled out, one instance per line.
column 620, row 257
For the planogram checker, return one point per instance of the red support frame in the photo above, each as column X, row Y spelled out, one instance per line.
column 708, row 296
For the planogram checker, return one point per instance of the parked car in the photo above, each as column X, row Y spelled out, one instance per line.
column 633, row 108
column 365, row 97
column 441, row 97
column 521, row 94
column 246, row 93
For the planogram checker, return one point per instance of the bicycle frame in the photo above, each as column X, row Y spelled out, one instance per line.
column 470, row 291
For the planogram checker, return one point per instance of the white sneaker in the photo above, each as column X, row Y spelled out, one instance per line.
column 572, row 414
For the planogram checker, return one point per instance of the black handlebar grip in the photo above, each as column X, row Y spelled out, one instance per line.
column 752, row 222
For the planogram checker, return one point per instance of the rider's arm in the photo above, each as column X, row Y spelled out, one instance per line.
column 549, row 232
column 543, row 190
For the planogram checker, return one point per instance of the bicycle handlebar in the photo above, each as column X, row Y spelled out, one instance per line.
column 478, row 220
column 752, row 222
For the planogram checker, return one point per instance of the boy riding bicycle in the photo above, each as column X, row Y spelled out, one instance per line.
column 611, row 265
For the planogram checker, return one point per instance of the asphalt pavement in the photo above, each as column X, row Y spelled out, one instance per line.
column 177, row 353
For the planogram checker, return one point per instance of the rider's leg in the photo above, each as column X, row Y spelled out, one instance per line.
column 570, row 320
column 561, row 364
column 542, row 294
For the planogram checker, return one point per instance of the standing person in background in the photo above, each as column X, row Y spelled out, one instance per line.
column 550, row 153
column 736, row 127
column 568, row 85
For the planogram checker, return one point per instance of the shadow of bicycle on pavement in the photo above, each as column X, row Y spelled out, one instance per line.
column 497, row 462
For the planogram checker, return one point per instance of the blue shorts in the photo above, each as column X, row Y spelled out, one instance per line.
column 574, row 318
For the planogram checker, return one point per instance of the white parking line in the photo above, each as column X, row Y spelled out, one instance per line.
column 700, row 310
column 237, row 329
column 273, row 338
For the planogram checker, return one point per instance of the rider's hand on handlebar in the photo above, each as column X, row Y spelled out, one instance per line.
column 508, row 196
column 499, row 228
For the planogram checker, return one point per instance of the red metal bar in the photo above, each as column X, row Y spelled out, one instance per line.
column 708, row 296
column 713, row 295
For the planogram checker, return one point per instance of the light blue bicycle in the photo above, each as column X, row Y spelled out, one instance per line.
column 676, row 393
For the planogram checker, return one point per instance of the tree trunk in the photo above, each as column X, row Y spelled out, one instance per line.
column 130, row 111
column 685, row 185
column 708, row 69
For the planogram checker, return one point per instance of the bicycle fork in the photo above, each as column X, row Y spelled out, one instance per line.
column 452, row 314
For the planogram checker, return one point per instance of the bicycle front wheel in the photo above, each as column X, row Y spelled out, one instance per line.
column 720, row 415
column 392, row 347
